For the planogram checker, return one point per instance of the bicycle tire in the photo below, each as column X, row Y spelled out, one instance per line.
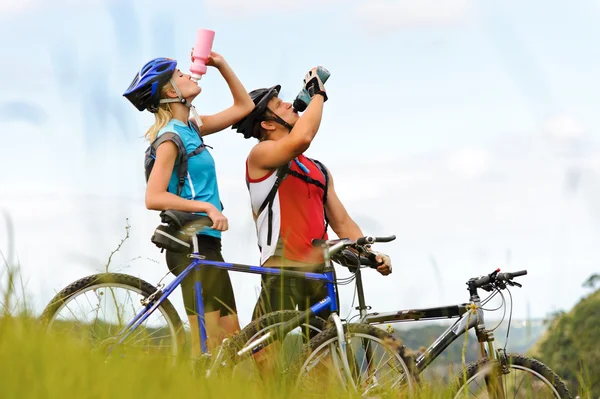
column 330, row 335
column 117, row 279
column 515, row 361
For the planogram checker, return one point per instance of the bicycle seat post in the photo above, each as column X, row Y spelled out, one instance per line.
column 195, row 243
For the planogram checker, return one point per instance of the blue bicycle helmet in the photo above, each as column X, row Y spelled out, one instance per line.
column 144, row 90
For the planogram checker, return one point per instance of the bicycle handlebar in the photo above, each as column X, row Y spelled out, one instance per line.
column 509, row 276
column 372, row 240
column 370, row 261
column 336, row 245
column 494, row 277
column 347, row 242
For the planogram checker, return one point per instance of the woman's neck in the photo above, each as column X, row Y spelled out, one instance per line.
column 180, row 112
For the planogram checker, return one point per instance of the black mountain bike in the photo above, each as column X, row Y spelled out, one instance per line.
column 496, row 375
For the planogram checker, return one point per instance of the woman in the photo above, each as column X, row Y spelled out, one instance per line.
column 167, row 92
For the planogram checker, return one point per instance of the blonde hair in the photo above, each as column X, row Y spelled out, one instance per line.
column 162, row 117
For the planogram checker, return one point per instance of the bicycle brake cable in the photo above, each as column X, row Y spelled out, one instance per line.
column 509, row 318
column 351, row 307
column 489, row 298
column 503, row 313
column 164, row 277
column 353, row 277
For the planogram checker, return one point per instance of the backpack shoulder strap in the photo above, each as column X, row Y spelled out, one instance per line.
column 181, row 156
column 323, row 170
column 200, row 148
column 170, row 136
column 196, row 129
column 282, row 172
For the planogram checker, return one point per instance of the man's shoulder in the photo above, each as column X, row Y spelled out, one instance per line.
column 257, row 151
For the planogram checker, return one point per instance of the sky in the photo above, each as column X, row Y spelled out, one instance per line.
column 467, row 129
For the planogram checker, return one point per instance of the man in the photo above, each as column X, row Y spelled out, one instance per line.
column 292, row 196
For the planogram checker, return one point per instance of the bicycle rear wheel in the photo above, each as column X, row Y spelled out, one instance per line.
column 524, row 378
column 291, row 346
column 96, row 308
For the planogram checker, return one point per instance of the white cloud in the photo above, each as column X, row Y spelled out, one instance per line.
column 260, row 6
column 564, row 126
column 8, row 7
column 384, row 15
column 569, row 138
column 430, row 206
column 469, row 162
column 372, row 14
column 14, row 7
column 435, row 205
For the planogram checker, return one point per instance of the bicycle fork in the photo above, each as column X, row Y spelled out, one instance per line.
column 497, row 357
column 342, row 346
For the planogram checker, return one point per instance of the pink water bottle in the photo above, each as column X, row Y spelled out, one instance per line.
column 202, row 48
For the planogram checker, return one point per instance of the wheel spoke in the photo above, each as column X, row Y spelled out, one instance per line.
column 99, row 321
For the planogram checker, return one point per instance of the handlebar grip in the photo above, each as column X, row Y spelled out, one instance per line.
column 509, row 276
column 370, row 261
column 365, row 240
column 385, row 239
column 371, row 240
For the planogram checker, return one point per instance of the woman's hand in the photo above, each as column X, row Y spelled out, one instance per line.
column 219, row 220
column 214, row 59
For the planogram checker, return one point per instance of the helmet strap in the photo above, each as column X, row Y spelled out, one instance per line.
column 278, row 119
column 183, row 101
column 179, row 98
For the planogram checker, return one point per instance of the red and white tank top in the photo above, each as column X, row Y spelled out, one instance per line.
column 298, row 213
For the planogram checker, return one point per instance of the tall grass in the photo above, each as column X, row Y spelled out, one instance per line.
column 39, row 364
column 35, row 363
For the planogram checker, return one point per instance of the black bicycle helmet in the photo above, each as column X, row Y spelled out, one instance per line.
column 249, row 126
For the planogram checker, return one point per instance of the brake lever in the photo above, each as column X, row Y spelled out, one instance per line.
column 359, row 248
column 514, row 284
column 364, row 252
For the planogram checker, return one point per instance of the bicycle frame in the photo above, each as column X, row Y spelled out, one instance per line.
column 331, row 301
column 469, row 315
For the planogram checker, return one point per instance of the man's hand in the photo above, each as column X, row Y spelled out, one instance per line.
column 313, row 84
column 386, row 268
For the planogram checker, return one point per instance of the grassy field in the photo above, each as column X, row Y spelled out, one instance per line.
column 35, row 364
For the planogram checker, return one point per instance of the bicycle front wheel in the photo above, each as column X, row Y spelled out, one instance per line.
column 523, row 378
column 96, row 308
column 373, row 363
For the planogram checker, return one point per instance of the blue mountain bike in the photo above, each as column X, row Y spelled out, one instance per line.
column 119, row 313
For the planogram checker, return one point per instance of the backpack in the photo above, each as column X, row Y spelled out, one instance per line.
column 171, row 235
column 282, row 173
column 182, row 157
